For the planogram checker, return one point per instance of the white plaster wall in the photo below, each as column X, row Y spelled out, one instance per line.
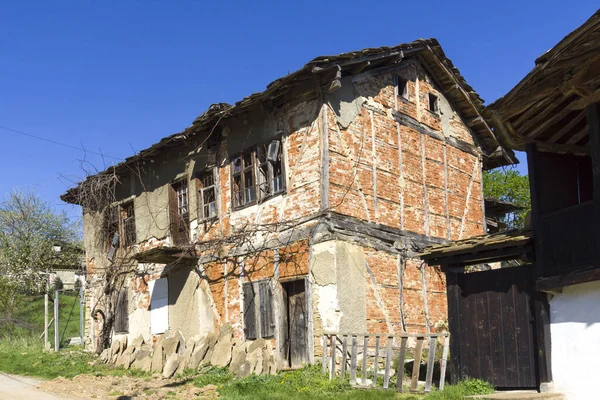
column 575, row 336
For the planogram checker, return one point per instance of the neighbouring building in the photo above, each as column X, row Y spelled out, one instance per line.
column 298, row 210
column 538, row 326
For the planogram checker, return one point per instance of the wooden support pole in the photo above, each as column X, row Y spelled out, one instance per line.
column 81, row 312
column 353, row 360
column 344, row 356
column 324, row 347
column 430, row 363
column 56, row 332
column 444, row 362
column 332, row 346
column 364, row 361
column 416, row 365
column 401, row 357
column 375, row 364
column 388, row 359
column 593, row 120
column 46, row 346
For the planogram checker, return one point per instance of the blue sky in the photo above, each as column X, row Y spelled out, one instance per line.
column 115, row 77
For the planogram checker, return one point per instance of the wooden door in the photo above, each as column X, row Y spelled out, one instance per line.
column 297, row 322
column 492, row 329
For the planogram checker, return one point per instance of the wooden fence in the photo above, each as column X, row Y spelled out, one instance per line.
column 344, row 349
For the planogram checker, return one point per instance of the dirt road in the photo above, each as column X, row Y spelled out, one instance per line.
column 13, row 387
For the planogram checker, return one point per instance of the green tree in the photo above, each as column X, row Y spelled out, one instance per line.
column 31, row 235
column 507, row 184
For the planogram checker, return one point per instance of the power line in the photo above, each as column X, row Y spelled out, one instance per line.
column 58, row 143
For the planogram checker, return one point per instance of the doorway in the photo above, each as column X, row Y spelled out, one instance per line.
column 295, row 324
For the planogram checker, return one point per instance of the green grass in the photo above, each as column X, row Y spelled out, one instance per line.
column 468, row 387
column 24, row 356
column 310, row 383
column 28, row 320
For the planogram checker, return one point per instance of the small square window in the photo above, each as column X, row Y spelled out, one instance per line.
column 433, row 103
column 402, row 86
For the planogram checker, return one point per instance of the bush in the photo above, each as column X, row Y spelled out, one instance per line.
column 57, row 284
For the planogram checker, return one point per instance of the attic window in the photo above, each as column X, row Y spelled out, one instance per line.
column 433, row 103
column 213, row 141
column 402, row 86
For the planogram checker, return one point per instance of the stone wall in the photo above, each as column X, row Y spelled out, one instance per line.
column 171, row 354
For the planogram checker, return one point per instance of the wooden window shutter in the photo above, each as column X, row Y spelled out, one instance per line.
column 173, row 217
column 267, row 322
column 249, row 311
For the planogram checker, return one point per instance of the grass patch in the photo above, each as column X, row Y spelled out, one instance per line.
column 28, row 319
column 24, row 356
column 468, row 387
column 310, row 383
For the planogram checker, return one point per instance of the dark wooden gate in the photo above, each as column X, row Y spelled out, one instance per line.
column 492, row 328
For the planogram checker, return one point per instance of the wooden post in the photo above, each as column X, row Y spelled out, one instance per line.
column 376, row 361
column 430, row 363
column 324, row 347
column 388, row 359
column 443, row 362
column 56, row 332
column 332, row 346
column 81, row 311
column 593, row 120
column 344, row 356
column 46, row 320
column 353, row 360
column 364, row 362
column 416, row 365
column 400, row 372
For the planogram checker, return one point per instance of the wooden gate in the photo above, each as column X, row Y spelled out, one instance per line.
column 490, row 319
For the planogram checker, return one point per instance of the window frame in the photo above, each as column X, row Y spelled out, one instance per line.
column 435, row 106
column 239, row 203
column 202, row 189
column 127, row 222
column 404, row 94
column 182, row 218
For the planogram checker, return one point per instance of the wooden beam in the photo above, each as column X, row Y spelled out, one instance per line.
column 541, row 127
column 562, row 148
column 583, row 132
column 568, row 278
column 567, row 128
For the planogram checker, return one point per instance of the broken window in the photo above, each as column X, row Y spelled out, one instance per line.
column 122, row 312
column 402, row 86
column 111, row 229
column 179, row 212
column 128, row 224
column 207, row 194
column 244, row 190
column 258, row 310
column 265, row 162
column 433, row 103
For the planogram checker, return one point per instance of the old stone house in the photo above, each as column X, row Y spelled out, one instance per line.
column 298, row 210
